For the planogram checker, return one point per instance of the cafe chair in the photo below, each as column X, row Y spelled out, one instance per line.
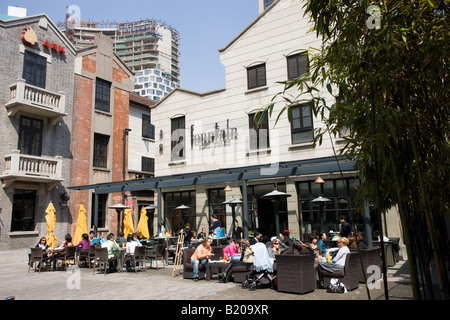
column 371, row 257
column 139, row 256
column 101, row 259
column 159, row 254
column 188, row 268
column 348, row 276
column 37, row 255
column 87, row 255
column 68, row 255
column 296, row 273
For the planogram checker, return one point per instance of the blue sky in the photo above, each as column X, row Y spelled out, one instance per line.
column 204, row 25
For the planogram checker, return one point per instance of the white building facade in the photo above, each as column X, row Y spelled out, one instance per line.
column 210, row 134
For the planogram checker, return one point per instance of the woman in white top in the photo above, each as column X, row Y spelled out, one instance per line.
column 338, row 262
column 132, row 243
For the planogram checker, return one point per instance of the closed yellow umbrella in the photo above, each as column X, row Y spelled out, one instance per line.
column 50, row 217
column 143, row 224
column 81, row 225
column 128, row 227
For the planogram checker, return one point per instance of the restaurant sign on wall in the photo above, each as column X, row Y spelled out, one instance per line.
column 29, row 38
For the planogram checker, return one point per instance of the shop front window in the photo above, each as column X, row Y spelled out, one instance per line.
column 176, row 219
column 261, row 216
column 319, row 217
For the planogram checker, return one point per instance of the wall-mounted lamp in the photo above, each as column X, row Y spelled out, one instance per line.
column 227, row 188
column 64, row 197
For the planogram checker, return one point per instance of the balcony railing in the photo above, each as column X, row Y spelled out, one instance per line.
column 22, row 167
column 35, row 100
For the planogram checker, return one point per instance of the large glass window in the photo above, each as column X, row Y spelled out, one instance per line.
column 175, row 219
column 30, row 136
column 258, row 132
column 324, row 216
column 256, row 76
column 102, row 94
column 34, row 69
column 178, row 141
column 101, row 150
column 24, row 205
column 261, row 212
column 301, row 124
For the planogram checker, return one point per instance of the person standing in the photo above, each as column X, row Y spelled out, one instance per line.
column 238, row 233
column 214, row 225
column 346, row 229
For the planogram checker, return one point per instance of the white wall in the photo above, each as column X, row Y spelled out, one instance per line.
column 276, row 34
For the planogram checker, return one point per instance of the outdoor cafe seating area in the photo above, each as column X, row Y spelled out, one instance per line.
column 295, row 273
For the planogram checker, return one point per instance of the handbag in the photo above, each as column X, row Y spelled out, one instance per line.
column 248, row 256
column 336, row 286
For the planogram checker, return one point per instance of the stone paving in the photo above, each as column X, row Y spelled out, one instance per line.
column 153, row 284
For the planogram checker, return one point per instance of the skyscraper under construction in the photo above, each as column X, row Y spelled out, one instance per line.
column 148, row 47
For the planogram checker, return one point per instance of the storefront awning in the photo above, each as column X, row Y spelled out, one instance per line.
column 275, row 170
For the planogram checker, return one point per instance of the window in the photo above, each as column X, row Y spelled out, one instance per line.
column 256, row 76
column 216, row 197
column 24, row 204
column 34, row 69
column 102, row 94
column 301, row 124
column 30, row 136
column 175, row 218
column 148, row 129
column 297, row 65
column 101, row 150
column 177, row 144
column 102, row 201
column 148, row 164
column 259, row 132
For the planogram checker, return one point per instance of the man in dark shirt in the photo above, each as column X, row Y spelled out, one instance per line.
column 346, row 229
column 287, row 240
column 238, row 233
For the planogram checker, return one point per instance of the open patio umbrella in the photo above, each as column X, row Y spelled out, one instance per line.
column 81, row 225
column 50, row 217
column 128, row 227
column 143, row 224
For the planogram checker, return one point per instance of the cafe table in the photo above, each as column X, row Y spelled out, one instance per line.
column 215, row 267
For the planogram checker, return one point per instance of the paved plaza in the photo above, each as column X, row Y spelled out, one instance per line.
column 152, row 284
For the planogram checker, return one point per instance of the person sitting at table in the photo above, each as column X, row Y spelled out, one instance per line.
column 84, row 244
column 227, row 275
column 232, row 250
column 42, row 244
column 201, row 256
column 322, row 238
column 274, row 248
column 67, row 242
column 113, row 251
column 132, row 243
column 122, row 240
column 202, row 235
column 337, row 263
column 287, row 240
column 187, row 235
column 98, row 241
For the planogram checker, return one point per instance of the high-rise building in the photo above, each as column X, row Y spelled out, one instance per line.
column 149, row 47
